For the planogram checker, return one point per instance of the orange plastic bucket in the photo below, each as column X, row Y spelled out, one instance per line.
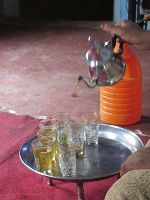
column 131, row 100
column 135, row 94
column 122, row 89
column 121, row 104
column 113, row 110
column 133, row 104
column 120, row 119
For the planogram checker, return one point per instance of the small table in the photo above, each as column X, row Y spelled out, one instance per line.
column 101, row 161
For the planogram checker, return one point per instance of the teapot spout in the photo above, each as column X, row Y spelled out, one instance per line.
column 89, row 83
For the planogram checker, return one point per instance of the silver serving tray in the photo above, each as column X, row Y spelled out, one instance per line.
column 99, row 162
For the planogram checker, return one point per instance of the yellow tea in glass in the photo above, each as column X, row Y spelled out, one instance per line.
column 47, row 135
column 43, row 156
column 48, row 131
column 45, row 140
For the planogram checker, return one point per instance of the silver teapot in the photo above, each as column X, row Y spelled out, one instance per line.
column 105, row 63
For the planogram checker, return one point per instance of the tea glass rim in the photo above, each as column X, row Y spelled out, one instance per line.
column 37, row 144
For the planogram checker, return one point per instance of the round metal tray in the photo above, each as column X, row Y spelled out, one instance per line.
column 115, row 145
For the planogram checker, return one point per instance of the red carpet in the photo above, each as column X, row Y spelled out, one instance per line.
column 19, row 183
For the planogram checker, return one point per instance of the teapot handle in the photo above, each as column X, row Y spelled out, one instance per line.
column 117, row 44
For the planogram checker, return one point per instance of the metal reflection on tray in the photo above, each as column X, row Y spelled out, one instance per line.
column 104, row 160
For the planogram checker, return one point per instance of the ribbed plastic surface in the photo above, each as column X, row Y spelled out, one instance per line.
column 121, row 104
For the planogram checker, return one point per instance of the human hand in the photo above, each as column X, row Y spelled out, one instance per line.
column 129, row 32
column 138, row 160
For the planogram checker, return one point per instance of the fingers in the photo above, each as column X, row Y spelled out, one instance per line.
column 112, row 28
column 118, row 27
column 123, row 170
column 107, row 27
column 127, row 30
column 124, row 23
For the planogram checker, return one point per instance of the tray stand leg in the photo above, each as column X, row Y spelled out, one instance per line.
column 80, row 191
column 50, row 182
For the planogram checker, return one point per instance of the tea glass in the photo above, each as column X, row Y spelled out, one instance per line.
column 47, row 134
column 78, row 138
column 43, row 156
column 91, row 128
column 63, row 129
column 61, row 120
column 67, row 160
